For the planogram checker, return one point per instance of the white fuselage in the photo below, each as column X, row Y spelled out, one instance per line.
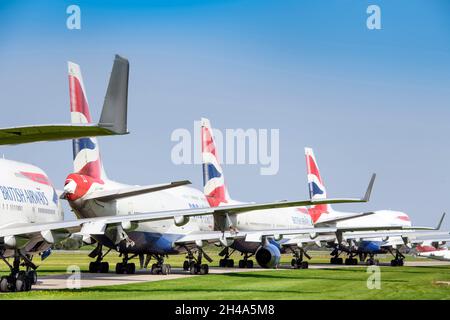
column 381, row 218
column 443, row 255
column 184, row 198
column 26, row 197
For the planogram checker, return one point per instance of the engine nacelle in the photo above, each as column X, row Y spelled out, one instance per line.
column 88, row 240
column 180, row 220
column 77, row 186
column 268, row 256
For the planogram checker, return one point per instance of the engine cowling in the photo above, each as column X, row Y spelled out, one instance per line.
column 268, row 256
column 77, row 185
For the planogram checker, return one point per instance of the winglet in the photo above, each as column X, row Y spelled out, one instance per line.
column 114, row 112
column 438, row 227
column 369, row 188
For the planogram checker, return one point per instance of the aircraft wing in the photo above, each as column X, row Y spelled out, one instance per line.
column 98, row 225
column 325, row 221
column 109, row 195
column 113, row 120
column 251, row 236
column 29, row 230
column 430, row 234
column 52, row 132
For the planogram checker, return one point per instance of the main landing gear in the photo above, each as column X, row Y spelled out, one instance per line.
column 98, row 266
column 398, row 259
column 19, row 280
column 195, row 265
column 335, row 259
column 160, row 267
column 124, row 266
column 297, row 262
column 371, row 260
column 246, row 263
column 226, row 262
column 351, row 260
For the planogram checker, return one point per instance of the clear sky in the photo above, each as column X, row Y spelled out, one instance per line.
column 365, row 100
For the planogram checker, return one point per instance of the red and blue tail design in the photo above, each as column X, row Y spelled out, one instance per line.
column 316, row 186
column 214, row 186
column 86, row 155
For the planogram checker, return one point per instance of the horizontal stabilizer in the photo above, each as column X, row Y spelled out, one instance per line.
column 113, row 120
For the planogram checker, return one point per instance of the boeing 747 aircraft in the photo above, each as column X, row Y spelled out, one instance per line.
column 187, row 221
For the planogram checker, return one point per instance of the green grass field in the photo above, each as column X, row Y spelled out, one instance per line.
column 58, row 261
column 341, row 283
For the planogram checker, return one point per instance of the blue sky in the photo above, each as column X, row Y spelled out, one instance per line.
column 365, row 100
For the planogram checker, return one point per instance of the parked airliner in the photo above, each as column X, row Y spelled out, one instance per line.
column 385, row 231
column 194, row 223
column 31, row 215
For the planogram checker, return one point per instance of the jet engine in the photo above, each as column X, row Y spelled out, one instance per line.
column 77, row 185
column 268, row 256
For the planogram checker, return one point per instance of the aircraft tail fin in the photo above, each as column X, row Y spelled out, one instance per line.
column 316, row 186
column 214, row 186
column 86, row 154
column 114, row 112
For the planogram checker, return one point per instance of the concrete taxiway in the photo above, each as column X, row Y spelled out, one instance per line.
column 86, row 280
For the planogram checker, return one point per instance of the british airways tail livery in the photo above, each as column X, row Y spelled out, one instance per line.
column 86, row 155
column 316, row 187
column 345, row 221
column 214, row 186
column 182, row 218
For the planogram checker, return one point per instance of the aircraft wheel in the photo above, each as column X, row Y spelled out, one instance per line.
column 21, row 283
column 4, row 284
column 166, row 269
column 401, row 263
column 293, row 262
column 120, row 268
column 193, row 269
column 348, row 261
column 371, row 262
column 242, row 264
column 333, row 261
column 104, row 267
column 304, row 264
column 230, row 263
column 204, row 269
column 339, row 261
column 93, row 267
column 32, row 276
column 130, row 268
column 185, row 265
column 249, row 264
